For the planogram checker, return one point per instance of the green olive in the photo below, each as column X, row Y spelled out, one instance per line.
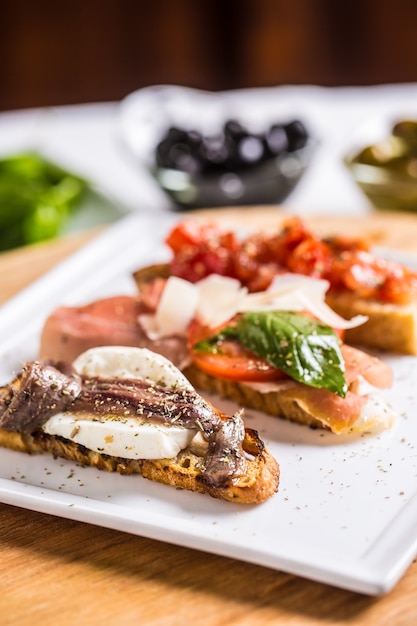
column 384, row 153
column 406, row 130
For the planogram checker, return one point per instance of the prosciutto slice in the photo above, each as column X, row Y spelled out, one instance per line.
column 113, row 321
column 341, row 415
column 373, row 370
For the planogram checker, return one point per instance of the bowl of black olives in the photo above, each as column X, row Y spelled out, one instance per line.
column 233, row 166
column 207, row 149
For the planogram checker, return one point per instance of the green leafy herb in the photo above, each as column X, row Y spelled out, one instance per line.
column 36, row 199
column 303, row 348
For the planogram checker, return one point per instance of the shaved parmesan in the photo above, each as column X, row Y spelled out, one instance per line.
column 220, row 298
column 176, row 309
column 216, row 299
column 296, row 292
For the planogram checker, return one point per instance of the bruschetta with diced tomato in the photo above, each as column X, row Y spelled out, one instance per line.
column 360, row 283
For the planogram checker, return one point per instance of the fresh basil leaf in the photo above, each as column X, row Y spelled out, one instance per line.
column 303, row 348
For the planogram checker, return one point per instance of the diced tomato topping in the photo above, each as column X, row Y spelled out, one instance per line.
column 200, row 249
column 311, row 257
column 187, row 233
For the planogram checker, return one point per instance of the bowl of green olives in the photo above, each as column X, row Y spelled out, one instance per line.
column 386, row 171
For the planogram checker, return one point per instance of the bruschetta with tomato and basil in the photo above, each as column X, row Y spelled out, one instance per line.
column 360, row 283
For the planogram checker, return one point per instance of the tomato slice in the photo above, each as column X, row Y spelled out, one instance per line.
column 231, row 361
column 237, row 368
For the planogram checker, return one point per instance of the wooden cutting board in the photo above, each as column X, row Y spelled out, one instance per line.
column 57, row 569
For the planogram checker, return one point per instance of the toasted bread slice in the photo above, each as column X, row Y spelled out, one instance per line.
column 258, row 484
column 390, row 327
column 149, row 273
column 297, row 402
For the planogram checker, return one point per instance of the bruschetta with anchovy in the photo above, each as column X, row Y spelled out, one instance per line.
column 130, row 410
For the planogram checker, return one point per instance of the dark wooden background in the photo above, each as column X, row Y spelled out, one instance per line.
column 55, row 52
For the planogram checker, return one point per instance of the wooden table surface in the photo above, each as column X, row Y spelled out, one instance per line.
column 55, row 570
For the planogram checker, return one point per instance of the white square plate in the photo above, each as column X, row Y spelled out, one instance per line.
column 346, row 511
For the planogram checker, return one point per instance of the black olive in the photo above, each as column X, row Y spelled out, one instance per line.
column 215, row 150
column 230, row 150
column 251, row 149
column 276, row 140
column 235, row 130
column 297, row 135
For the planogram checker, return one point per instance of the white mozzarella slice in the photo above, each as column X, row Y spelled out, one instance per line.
column 125, row 437
column 126, row 362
